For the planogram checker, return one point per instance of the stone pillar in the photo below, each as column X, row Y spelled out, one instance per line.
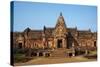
column 64, row 43
column 73, row 54
column 37, row 54
column 50, row 54
column 55, row 43
column 44, row 54
column 73, row 50
column 93, row 45
column 86, row 52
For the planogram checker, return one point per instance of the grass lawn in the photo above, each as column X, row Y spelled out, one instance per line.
column 20, row 58
column 93, row 52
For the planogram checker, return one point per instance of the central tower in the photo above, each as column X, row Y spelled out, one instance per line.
column 60, row 32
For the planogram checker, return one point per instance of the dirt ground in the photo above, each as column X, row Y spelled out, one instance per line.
column 50, row 60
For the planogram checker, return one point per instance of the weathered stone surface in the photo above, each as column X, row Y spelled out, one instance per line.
column 53, row 38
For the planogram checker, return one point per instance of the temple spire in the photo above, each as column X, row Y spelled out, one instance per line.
column 61, row 20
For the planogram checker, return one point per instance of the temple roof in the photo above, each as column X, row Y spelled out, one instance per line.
column 27, row 29
column 71, row 29
column 35, row 34
column 84, row 34
column 38, row 34
column 49, row 32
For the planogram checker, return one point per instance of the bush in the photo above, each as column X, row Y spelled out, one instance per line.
column 91, row 56
column 21, row 58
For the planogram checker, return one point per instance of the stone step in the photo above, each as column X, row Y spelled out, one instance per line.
column 59, row 53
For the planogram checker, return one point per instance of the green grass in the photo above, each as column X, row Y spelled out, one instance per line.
column 21, row 58
column 91, row 55
column 93, row 52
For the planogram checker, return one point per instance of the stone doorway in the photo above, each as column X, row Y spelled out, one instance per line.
column 19, row 45
column 59, row 43
column 40, row 54
column 94, row 43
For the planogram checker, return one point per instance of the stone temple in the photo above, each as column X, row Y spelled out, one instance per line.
column 57, row 41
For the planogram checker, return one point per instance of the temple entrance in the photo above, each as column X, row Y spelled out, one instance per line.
column 41, row 54
column 59, row 43
column 20, row 45
column 94, row 43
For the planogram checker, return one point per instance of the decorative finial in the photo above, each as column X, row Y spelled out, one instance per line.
column 44, row 27
column 60, row 13
column 75, row 27
column 89, row 30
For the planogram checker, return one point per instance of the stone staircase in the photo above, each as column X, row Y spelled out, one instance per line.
column 59, row 52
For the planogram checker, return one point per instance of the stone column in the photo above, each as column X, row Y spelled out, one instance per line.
column 44, row 54
column 37, row 54
column 73, row 54
column 86, row 52
column 93, row 45
column 55, row 43
column 64, row 43
column 73, row 50
column 50, row 54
